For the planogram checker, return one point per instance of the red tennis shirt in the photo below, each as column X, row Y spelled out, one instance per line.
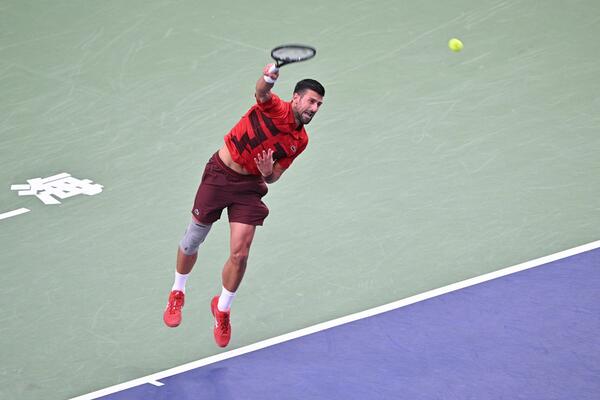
column 268, row 125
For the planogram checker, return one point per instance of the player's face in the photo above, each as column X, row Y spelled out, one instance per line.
column 306, row 105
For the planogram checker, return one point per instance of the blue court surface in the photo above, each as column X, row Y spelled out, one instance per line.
column 528, row 333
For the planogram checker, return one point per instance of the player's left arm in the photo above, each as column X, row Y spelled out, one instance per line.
column 270, row 171
column 278, row 170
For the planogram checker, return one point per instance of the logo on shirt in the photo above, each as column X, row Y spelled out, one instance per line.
column 293, row 148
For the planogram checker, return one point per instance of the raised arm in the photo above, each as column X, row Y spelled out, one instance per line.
column 266, row 82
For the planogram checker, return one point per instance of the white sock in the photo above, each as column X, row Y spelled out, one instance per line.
column 180, row 280
column 225, row 300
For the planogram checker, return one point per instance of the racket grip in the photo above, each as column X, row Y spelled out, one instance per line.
column 270, row 69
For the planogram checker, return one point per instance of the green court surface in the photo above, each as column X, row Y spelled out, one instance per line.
column 425, row 167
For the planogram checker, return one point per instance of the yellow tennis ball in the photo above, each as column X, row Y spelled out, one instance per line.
column 455, row 44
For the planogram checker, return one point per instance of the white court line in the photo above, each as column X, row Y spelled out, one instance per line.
column 153, row 379
column 14, row 213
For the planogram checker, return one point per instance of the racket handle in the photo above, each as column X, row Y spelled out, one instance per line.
column 273, row 68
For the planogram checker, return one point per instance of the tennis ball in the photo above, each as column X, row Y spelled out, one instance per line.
column 455, row 44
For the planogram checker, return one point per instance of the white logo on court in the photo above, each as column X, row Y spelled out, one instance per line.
column 62, row 186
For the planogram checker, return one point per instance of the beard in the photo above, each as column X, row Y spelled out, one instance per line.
column 306, row 117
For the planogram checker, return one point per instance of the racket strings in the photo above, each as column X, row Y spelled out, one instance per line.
column 293, row 53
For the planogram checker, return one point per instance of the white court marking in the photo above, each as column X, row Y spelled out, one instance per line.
column 154, row 378
column 14, row 213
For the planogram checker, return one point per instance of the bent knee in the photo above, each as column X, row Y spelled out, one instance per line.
column 194, row 236
column 239, row 259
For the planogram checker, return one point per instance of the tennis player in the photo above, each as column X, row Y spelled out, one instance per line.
column 257, row 151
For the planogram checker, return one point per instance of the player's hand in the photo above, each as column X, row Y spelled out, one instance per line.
column 264, row 162
column 271, row 71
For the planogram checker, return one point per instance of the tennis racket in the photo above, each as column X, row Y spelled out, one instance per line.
column 291, row 53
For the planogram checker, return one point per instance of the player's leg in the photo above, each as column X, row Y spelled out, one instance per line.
column 241, row 237
column 187, row 253
column 246, row 211
column 208, row 206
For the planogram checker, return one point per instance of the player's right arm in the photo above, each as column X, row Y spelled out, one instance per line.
column 265, row 83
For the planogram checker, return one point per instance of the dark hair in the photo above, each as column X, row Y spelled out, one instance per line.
column 309, row 84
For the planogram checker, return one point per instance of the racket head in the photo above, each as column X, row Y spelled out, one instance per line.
column 291, row 53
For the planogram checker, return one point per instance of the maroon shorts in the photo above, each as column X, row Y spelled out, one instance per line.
column 222, row 187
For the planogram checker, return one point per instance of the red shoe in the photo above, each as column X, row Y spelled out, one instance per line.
column 222, row 331
column 172, row 315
